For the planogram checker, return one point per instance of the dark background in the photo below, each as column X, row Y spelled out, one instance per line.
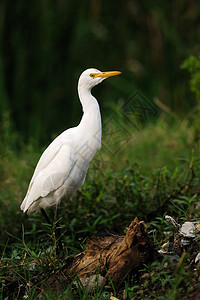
column 46, row 44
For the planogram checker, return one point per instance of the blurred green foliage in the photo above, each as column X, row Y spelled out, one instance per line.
column 46, row 44
column 192, row 64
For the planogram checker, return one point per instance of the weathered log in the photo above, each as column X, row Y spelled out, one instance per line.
column 115, row 256
column 108, row 257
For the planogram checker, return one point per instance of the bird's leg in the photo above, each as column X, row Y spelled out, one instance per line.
column 55, row 227
column 47, row 220
column 46, row 217
column 59, row 247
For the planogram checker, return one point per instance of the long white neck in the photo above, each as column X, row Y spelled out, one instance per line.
column 91, row 119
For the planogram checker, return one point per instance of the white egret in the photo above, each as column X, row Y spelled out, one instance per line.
column 62, row 167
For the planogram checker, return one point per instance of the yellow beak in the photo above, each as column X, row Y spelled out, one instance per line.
column 106, row 74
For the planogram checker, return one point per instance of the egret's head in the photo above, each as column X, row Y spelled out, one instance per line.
column 91, row 77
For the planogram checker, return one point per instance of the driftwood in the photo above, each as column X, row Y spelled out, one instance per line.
column 112, row 257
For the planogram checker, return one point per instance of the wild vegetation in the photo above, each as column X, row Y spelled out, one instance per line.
column 154, row 176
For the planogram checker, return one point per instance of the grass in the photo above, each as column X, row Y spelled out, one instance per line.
column 152, row 172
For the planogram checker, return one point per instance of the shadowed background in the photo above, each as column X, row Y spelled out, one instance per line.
column 45, row 45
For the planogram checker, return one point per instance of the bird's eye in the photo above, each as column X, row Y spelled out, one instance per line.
column 92, row 75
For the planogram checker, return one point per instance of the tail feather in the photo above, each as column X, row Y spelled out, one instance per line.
column 23, row 205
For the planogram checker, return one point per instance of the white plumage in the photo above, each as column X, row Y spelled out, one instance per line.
column 62, row 167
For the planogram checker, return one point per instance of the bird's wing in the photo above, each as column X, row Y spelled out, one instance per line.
column 47, row 157
column 53, row 169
